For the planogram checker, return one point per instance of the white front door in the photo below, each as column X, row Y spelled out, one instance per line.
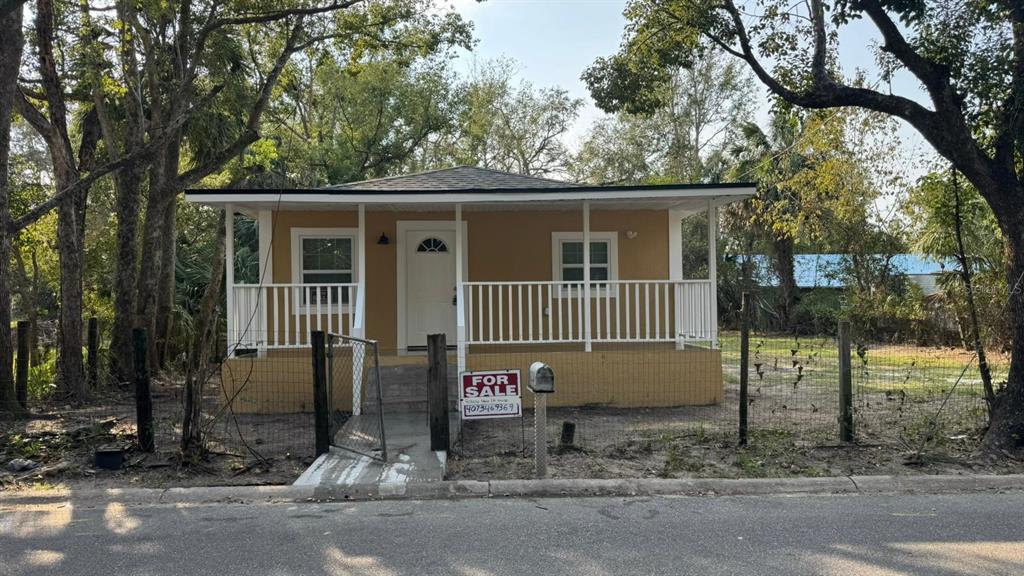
column 429, row 284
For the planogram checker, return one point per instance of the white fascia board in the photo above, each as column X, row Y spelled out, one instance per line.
column 731, row 194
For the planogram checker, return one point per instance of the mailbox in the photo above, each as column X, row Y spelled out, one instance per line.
column 542, row 378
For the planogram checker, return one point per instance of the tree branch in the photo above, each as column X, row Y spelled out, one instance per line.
column 34, row 117
column 934, row 76
column 818, row 60
column 251, row 132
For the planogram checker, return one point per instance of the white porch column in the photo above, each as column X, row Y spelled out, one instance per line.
column 265, row 231
column 359, row 309
column 460, row 300
column 586, row 276
column 675, row 271
column 229, row 272
column 359, row 327
column 713, row 268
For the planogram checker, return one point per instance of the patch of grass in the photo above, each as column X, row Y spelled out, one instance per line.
column 677, row 460
column 771, row 454
column 812, row 362
column 17, row 446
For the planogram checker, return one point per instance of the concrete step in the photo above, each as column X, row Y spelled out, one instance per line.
column 400, row 406
column 404, row 388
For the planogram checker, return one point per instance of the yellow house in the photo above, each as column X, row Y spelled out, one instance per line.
column 511, row 268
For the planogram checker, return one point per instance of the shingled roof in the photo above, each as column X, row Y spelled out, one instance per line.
column 457, row 178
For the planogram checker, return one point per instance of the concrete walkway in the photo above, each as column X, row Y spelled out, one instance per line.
column 410, row 461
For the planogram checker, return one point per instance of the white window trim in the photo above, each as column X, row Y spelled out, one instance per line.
column 298, row 234
column 613, row 258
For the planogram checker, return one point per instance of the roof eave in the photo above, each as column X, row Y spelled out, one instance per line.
column 728, row 192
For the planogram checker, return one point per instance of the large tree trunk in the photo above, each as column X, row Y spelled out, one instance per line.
column 150, row 266
column 70, row 242
column 1006, row 430
column 11, row 44
column 784, row 269
column 122, row 366
column 162, row 195
column 165, row 285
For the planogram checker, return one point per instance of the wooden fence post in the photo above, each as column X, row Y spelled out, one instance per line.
column 321, row 403
column 845, row 384
column 21, row 366
column 93, row 343
column 143, row 394
column 744, row 365
column 437, row 378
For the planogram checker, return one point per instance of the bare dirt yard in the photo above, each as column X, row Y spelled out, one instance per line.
column 668, row 443
column 59, row 442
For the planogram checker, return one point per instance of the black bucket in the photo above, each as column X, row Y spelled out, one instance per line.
column 110, row 457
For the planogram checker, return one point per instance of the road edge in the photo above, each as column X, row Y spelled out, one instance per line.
column 546, row 488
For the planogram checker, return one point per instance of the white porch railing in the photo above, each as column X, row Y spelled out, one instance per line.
column 282, row 315
column 619, row 310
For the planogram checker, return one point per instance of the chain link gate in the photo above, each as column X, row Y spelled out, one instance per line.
column 353, row 372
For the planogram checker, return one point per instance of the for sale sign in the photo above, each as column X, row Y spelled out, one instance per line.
column 490, row 394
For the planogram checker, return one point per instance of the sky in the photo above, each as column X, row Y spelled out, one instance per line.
column 554, row 41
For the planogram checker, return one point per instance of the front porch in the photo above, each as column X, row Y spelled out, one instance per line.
column 542, row 312
column 584, row 278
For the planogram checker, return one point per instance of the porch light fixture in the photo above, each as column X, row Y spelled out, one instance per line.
column 383, row 240
column 631, row 234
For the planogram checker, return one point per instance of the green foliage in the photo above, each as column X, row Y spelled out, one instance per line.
column 972, row 40
column 931, row 210
column 42, row 377
column 18, row 446
column 818, row 311
column 337, row 123
column 197, row 235
column 508, row 125
column 701, row 111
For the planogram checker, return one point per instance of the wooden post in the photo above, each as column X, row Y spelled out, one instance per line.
column 845, row 384
column 321, row 405
column 437, row 378
column 568, row 436
column 540, row 435
column 93, row 372
column 744, row 365
column 143, row 394
column 21, row 366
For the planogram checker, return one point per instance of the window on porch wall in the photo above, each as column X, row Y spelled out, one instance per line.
column 327, row 260
column 572, row 261
column 567, row 254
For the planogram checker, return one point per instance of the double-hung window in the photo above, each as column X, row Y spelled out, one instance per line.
column 324, row 256
column 567, row 256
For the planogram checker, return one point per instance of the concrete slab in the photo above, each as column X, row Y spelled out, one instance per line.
column 410, row 462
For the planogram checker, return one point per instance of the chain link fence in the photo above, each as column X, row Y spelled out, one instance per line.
column 257, row 425
column 355, row 396
column 908, row 402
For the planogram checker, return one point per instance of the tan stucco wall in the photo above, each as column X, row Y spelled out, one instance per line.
column 279, row 383
column 502, row 246
column 648, row 376
column 623, row 377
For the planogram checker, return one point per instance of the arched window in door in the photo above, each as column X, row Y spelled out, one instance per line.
column 432, row 245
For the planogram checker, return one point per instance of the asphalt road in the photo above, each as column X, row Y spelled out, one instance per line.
column 848, row 535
